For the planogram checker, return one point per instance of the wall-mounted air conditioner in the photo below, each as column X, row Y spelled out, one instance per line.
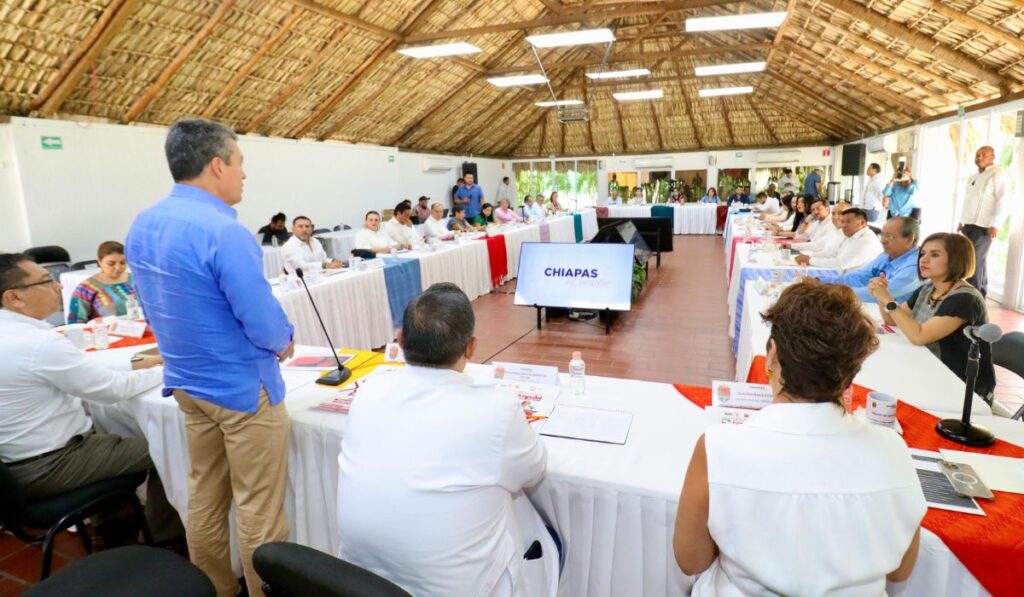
column 877, row 145
column 437, row 164
column 661, row 163
column 779, row 157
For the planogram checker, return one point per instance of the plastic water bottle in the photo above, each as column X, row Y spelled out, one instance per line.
column 131, row 307
column 577, row 373
column 101, row 334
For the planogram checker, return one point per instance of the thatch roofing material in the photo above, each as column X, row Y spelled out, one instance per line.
column 328, row 69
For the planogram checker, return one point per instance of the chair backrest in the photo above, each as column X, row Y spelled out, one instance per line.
column 56, row 269
column 80, row 265
column 12, row 498
column 1008, row 353
column 292, row 569
column 49, row 254
column 321, row 231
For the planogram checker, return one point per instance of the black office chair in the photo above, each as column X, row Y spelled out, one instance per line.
column 127, row 572
column 875, row 229
column 292, row 569
column 49, row 254
column 321, row 231
column 340, row 227
column 61, row 512
column 1008, row 353
column 81, row 265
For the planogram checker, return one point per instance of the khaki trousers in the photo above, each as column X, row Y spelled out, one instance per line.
column 240, row 455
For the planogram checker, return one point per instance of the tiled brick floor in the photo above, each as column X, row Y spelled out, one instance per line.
column 676, row 333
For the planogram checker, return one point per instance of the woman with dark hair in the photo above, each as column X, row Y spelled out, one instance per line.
column 485, row 217
column 784, row 217
column 938, row 311
column 106, row 293
column 711, row 196
column 275, row 229
column 802, row 485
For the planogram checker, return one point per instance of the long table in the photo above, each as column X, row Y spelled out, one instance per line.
column 688, row 218
column 613, row 506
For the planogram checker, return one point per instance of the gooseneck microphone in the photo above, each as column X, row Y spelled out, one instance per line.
column 342, row 373
column 961, row 430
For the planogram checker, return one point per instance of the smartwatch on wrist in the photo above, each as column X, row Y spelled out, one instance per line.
column 891, row 306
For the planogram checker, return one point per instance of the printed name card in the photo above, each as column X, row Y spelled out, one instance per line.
column 730, row 394
column 128, row 329
column 534, row 374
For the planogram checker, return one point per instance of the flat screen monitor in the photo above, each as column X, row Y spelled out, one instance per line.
column 575, row 276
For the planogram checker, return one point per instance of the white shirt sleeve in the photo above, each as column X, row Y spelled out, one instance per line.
column 524, row 457
column 852, row 252
column 296, row 254
column 62, row 365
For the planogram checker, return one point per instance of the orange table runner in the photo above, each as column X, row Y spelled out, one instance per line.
column 991, row 547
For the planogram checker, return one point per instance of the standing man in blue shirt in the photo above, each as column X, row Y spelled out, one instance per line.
column 470, row 196
column 898, row 196
column 199, row 275
column 898, row 263
column 812, row 184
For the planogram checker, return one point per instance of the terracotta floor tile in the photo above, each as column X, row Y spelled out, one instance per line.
column 11, row 587
column 25, row 564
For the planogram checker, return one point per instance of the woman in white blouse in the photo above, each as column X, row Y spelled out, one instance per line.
column 802, row 499
column 372, row 238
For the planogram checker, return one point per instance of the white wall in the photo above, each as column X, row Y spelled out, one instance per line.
column 90, row 190
column 438, row 185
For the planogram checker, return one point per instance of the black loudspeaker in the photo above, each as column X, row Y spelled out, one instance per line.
column 470, row 168
column 853, row 159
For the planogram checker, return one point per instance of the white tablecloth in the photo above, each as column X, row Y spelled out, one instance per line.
column 629, row 211
column 695, row 218
column 514, row 238
column 338, row 244
column 613, row 506
column 562, row 229
column 464, row 264
column 272, row 265
column 354, row 306
column 589, row 221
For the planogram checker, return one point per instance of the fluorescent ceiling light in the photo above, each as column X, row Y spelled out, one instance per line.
column 620, row 74
column 559, row 103
column 440, row 50
column 729, row 69
column 725, row 91
column 572, row 38
column 625, row 96
column 516, row 80
column 747, row 21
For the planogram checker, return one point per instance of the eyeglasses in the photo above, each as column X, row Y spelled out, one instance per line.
column 46, row 282
column 890, row 236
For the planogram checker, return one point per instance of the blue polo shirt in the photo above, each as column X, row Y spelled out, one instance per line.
column 901, row 273
column 901, row 198
column 475, row 195
column 199, row 275
column 810, row 184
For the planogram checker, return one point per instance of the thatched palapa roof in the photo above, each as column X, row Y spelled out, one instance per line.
column 329, row 69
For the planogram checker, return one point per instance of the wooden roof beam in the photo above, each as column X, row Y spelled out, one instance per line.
column 830, row 129
column 416, row 18
column 844, row 112
column 910, row 106
column 657, row 127
column 728, row 124
column 348, row 19
column 568, row 16
column 921, row 42
column 590, row 126
column 179, row 59
column 764, row 123
column 689, row 109
column 250, row 64
column 640, row 56
column 989, row 31
column 85, row 54
column 805, row 109
column 897, row 59
column 622, row 129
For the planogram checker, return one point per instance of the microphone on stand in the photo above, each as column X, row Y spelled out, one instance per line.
column 342, row 373
column 961, row 430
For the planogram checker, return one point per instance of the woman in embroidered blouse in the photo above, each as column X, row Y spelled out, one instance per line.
column 938, row 311
column 105, row 293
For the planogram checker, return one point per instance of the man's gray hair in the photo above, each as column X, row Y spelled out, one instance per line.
column 437, row 326
column 192, row 143
column 909, row 228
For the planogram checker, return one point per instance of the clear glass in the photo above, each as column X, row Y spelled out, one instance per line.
column 100, row 335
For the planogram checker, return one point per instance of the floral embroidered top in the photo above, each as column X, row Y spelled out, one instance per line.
column 94, row 299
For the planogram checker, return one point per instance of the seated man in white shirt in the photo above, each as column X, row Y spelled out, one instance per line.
column 859, row 246
column 47, row 439
column 830, row 237
column 615, row 199
column 820, row 222
column 371, row 237
column 537, row 211
column 400, row 228
column 436, row 225
column 304, row 251
column 430, row 464
column 766, row 204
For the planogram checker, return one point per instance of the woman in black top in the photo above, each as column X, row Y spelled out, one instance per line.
column 936, row 314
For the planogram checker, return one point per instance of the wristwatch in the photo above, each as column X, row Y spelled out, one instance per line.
column 891, row 306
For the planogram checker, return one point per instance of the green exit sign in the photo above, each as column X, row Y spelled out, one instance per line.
column 51, row 142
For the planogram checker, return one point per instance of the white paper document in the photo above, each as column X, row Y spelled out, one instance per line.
column 590, row 424
column 938, row 491
column 1000, row 473
column 740, row 395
